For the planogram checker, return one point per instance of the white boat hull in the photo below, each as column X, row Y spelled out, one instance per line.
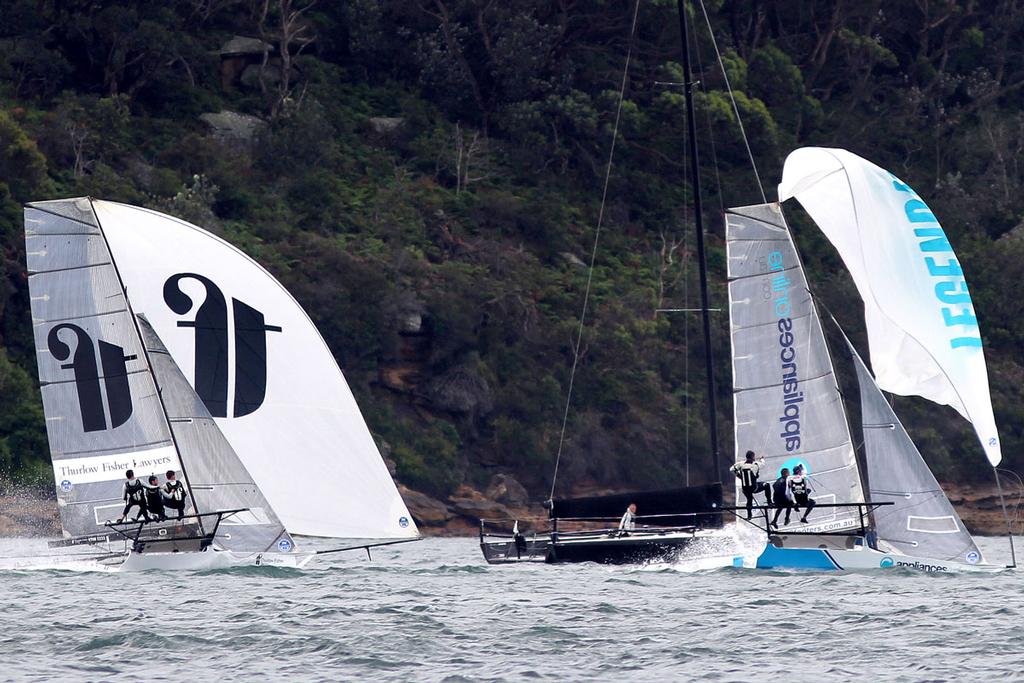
column 210, row 559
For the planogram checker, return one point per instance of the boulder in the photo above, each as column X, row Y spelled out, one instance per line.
column 573, row 259
column 460, row 389
column 505, row 489
column 232, row 127
column 386, row 125
column 479, row 509
column 425, row 510
column 244, row 45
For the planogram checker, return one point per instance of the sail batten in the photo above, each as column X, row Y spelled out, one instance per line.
column 923, row 334
column 786, row 399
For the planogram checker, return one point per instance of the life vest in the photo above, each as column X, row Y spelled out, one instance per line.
column 134, row 491
column 798, row 485
column 175, row 490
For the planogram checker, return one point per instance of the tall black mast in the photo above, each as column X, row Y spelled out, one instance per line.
column 709, row 360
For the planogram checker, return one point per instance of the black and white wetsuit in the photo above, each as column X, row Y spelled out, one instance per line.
column 800, row 490
column 134, row 495
column 175, row 493
column 748, row 473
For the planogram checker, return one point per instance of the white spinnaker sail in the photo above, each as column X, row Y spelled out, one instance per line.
column 263, row 371
column 923, row 334
column 786, row 399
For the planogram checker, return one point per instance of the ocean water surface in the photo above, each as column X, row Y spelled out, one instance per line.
column 434, row 611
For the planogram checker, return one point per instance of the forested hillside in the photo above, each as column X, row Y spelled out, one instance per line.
column 425, row 177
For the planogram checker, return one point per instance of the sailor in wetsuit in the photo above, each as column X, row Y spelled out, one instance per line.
column 800, row 489
column 748, row 473
column 134, row 495
column 154, row 499
column 174, row 494
column 780, row 494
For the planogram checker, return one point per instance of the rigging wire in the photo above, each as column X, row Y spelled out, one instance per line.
column 711, row 132
column 593, row 252
column 735, row 108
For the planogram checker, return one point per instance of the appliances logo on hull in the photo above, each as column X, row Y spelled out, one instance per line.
column 888, row 562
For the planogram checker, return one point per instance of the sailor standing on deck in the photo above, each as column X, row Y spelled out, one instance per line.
column 748, row 473
column 134, row 495
column 800, row 488
column 628, row 523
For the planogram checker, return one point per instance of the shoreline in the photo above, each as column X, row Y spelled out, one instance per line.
column 27, row 515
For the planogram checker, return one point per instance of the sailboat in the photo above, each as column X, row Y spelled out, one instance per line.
column 672, row 521
column 924, row 340
column 115, row 400
column 239, row 410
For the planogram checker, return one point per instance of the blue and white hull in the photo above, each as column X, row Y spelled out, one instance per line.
column 833, row 554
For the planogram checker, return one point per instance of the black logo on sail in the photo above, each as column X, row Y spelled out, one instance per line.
column 87, row 377
column 211, row 346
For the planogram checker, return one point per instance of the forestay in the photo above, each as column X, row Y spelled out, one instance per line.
column 787, row 403
column 217, row 478
column 103, row 415
column 263, row 372
column 921, row 521
column 923, row 333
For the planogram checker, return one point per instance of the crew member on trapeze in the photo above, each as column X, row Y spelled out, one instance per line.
column 800, row 489
column 748, row 473
column 134, row 495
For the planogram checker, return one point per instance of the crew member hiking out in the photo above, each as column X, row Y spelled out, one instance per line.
column 748, row 473
column 800, row 488
column 134, row 495
column 781, row 496
column 175, row 494
column 154, row 499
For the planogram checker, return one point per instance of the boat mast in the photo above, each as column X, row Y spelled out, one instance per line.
column 709, row 360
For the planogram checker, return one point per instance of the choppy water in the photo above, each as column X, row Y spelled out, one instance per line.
column 434, row 611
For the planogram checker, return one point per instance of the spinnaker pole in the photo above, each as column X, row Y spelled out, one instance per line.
column 709, row 360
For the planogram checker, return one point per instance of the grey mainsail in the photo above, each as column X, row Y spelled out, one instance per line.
column 921, row 521
column 218, row 479
column 786, row 399
column 103, row 415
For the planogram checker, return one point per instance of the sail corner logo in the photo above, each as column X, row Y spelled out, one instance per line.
column 973, row 557
column 284, row 545
column 403, row 522
column 887, row 562
column 66, row 486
